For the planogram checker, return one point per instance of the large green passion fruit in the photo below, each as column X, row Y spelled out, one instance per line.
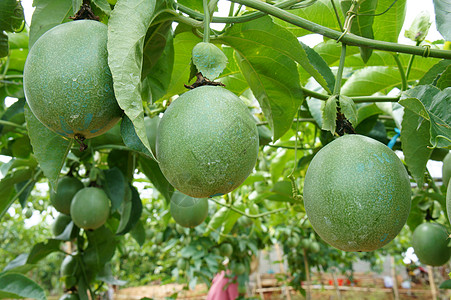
column 357, row 193
column 68, row 83
column 207, row 142
column 430, row 243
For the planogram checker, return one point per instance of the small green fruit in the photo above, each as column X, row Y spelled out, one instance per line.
column 66, row 190
column 239, row 269
column 207, row 142
column 90, row 208
column 188, row 211
column 182, row 264
column 226, row 249
column 357, row 193
column 430, row 243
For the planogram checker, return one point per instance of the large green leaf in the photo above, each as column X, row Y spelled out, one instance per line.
column 101, row 248
column 152, row 171
column 154, row 45
column 41, row 250
column 388, row 26
column 7, row 187
column 322, row 13
column 445, row 79
column 370, row 80
column 130, row 213
column 115, row 185
column 415, row 141
column 362, row 25
column 318, row 63
column 127, row 28
column 433, row 105
column 443, row 17
column 266, row 54
column 48, row 14
column 49, row 148
column 232, row 77
column 15, row 285
column 183, row 45
column 435, row 72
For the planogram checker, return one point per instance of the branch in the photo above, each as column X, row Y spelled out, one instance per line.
column 350, row 39
column 245, row 214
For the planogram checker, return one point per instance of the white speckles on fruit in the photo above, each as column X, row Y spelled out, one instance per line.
column 207, row 142
column 357, row 194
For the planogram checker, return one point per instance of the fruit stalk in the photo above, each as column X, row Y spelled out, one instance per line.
column 341, row 67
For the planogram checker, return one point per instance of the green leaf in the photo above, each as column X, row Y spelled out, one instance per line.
column 17, row 285
column 152, row 171
column 217, row 220
column 209, row 60
column 130, row 213
column 159, row 75
column 76, row 4
column 115, row 185
column 446, row 284
column 443, row 17
column 265, row 53
column 348, row 109
column 154, row 45
column 106, row 275
column 103, row 5
column 415, row 141
column 432, row 104
column 4, row 45
column 183, row 46
column 232, row 77
column 7, row 187
column 387, row 27
column 366, row 111
column 131, row 139
column 49, row 148
column 101, row 248
column 370, row 80
column 445, row 79
column 139, row 233
column 416, row 215
column 127, row 28
column 48, row 14
column 362, row 25
column 322, row 13
column 41, row 250
column 435, row 72
column 330, row 114
column 320, row 66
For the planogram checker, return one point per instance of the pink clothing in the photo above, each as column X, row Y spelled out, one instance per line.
column 221, row 290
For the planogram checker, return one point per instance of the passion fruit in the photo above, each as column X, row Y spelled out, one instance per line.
column 66, row 189
column 357, row 193
column 430, row 244
column 90, row 208
column 207, row 142
column 67, row 81
column 188, row 211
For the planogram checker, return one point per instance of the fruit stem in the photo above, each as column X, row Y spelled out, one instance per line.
column 401, row 72
column 206, row 22
column 341, row 67
column 350, row 39
column 409, row 66
column 245, row 214
column 336, row 15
